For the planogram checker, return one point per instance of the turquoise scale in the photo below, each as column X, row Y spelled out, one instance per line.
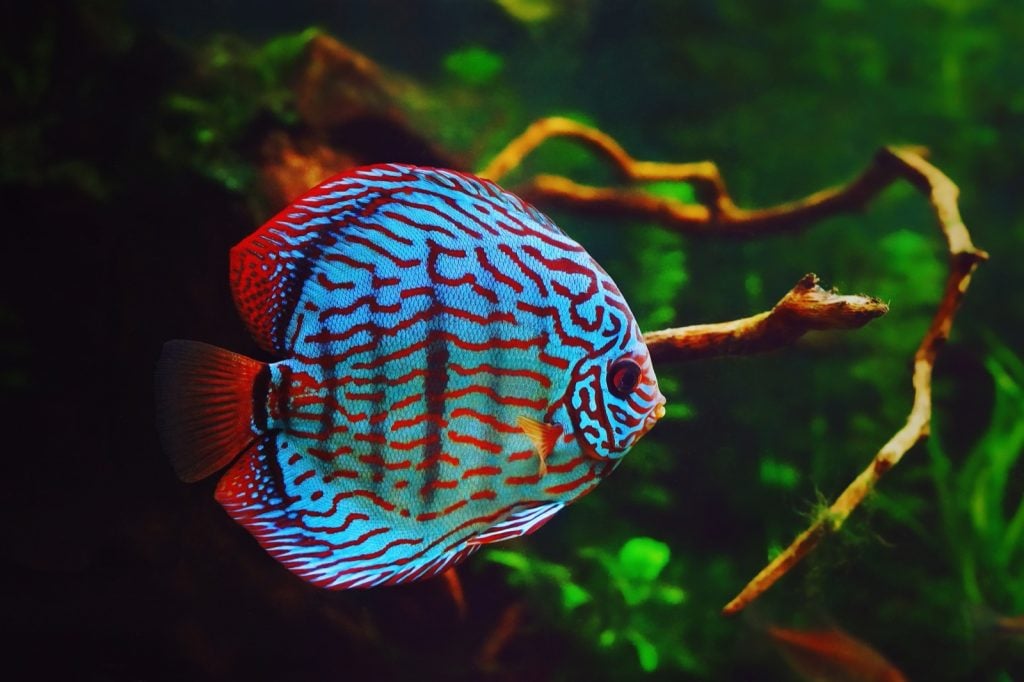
column 421, row 314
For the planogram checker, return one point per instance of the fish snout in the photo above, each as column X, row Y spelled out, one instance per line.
column 657, row 413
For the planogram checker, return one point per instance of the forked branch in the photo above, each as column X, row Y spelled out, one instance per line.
column 804, row 308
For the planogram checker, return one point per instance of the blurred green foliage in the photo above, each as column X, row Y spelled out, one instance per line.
column 474, row 65
column 237, row 83
column 965, row 513
column 981, row 496
column 626, row 602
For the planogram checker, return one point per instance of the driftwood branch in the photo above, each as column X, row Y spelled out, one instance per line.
column 804, row 308
column 963, row 259
column 716, row 215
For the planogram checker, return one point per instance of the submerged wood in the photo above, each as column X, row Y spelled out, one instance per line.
column 804, row 308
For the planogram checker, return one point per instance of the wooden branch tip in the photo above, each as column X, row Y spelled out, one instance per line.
column 806, row 307
column 819, row 309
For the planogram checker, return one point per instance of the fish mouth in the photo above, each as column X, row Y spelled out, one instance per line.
column 657, row 413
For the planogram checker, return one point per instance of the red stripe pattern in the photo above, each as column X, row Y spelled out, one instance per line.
column 420, row 313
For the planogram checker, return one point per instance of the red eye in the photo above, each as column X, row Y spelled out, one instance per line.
column 623, row 376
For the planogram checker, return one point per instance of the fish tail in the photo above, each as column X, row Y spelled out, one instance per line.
column 205, row 398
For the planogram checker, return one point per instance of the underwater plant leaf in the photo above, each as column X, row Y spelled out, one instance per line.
column 1011, row 541
column 573, row 596
column 559, row 574
column 682, row 192
column 542, row 575
column 778, row 474
column 654, row 298
column 185, row 103
column 987, row 471
column 642, row 559
column 754, row 284
column 282, row 51
column 646, row 652
column 979, row 497
column 474, row 65
column 514, row 560
column 670, row 594
column 678, row 411
column 906, row 511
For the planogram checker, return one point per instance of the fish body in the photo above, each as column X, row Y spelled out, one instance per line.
column 832, row 656
column 455, row 370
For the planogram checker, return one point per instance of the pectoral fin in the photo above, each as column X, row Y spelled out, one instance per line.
column 542, row 436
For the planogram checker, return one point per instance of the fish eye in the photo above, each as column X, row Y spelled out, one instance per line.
column 623, row 377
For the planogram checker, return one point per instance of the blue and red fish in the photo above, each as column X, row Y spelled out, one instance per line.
column 455, row 371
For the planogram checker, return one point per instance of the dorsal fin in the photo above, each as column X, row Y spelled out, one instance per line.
column 266, row 280
column 270, row 267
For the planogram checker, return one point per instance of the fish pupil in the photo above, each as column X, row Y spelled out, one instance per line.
column 623, row 377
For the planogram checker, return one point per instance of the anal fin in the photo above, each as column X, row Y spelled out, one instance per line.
column 338, row 540
column 519, row 523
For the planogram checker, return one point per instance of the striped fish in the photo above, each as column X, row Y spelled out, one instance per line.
column 455, row 371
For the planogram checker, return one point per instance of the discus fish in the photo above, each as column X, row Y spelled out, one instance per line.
column 455, row 370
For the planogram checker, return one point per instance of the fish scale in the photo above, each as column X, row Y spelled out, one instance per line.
column 424, row 316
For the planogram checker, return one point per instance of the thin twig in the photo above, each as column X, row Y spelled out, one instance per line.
column 718, row 215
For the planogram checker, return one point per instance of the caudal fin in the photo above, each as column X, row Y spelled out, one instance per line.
column 204, row 400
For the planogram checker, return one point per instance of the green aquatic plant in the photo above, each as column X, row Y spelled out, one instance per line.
column 980, row 496
column 613, row 599
column 635, row 568
column 533, row 573
column 657, row 251
column 778, row 474
column 237, row 83
column 474, row 65
column 634, row 573
column 965, row 512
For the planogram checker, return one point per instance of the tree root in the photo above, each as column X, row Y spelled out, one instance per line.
column 806, row 307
